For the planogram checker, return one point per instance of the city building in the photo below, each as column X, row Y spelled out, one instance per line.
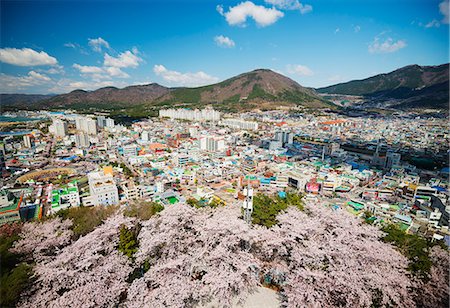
column 9, row 207
column 64, row 197
column 87, row 125
column 102, row 188
column 82, row 140
column 59, row 128
column 27, row 141
column 240, row 124
column 207, row 114
column 212, row 143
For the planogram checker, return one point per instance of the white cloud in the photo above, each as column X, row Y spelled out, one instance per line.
column 444, row 10
column 337, row 30
column 14, row 84
column 237, row 15
column 70, row 45
column 291, row 5
column 67, row 85
column 223, row 41
column 116, row 72
column 219, row 9
column 56, row 69
column 99, row 73
column 300, row 70
column 124, row 59
column 76, row 46
column 433, row 24
column 356, row 28
column 386, row 46
column 98, row 44
column 85, row 69
column 184, row 79
column 26, row 57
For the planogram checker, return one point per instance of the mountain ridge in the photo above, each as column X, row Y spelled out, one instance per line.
column 411, row 86
column 258, row 88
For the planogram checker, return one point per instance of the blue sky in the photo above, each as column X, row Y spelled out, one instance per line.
column 59, row 46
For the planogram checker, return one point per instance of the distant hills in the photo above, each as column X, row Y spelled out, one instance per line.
column 411, row 86
column 256, row 89
column 21, row 99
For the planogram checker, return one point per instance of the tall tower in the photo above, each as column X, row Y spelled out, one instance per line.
column 247, row 205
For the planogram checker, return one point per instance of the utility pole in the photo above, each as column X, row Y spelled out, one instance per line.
column 248, row 203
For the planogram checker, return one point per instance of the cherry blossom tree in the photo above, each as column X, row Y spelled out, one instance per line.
column 335, row 260
column 88, row 273
column 197, row 252
column 40, row 239
column 318, row 257
column 435, row 292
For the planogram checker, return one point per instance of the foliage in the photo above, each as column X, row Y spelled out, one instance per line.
column 15, row 276
column 202, row 203
column 266, row 208
column 258, row 92
column 13, row 282
column 86, row 219
column 128, row 240
column 126, row 171
column 143, row 210
column 414, row 247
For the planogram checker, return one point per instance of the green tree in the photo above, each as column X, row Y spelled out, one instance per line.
column 128, row 240
column 266, row 208
column 414, row 247
column 143, row 210
column 86, row 219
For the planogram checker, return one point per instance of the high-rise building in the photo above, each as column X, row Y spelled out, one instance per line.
column 109, row 123
column 240, row 124
column 101, row 121
column 212, row 143
column 27, row 141
column 102, row 188
column 82, row 140
column 86, row 125
column 59, row 128
column 392, row 159
column 207, row 114
column 145, row 136
column 284, row 137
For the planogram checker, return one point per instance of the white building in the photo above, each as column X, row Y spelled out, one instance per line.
column 102, row 189
column 240, row 124
column 212, row 143
column 82, row 140
column 86, row 125
column 145, row 136
column 109, row 123
column 27, row 141
column 59, row 128
column 207, row 114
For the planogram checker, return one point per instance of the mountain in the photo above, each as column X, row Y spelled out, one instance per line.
column 260, row 88
column 21, row 100
column 109, row 97
column 411, row 86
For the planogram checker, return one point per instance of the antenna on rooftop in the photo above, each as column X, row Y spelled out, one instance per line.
column 247, row 205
